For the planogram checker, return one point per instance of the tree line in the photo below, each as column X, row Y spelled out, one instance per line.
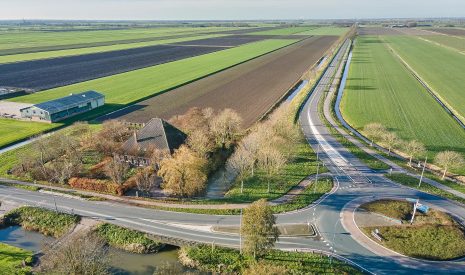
column 414, row 149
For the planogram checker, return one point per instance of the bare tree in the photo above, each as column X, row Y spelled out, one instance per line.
column 80, row 254
column 184, row 173
column 414, row 149
column 156, row 156
column 115, row 130
column 391, row 140
column 271, row 161
column 225, row 127
column 146, row 179
column 449, row 160
column 116, row 170
column 194, row 119
column 374, row 131
column 65, row 167
column 251, row 144
column 241, row 164
column 201, row 143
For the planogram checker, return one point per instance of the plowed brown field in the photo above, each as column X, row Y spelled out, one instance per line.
column 250, row 88
column 450, row 31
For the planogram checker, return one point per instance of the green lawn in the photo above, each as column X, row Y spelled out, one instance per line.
column 449, row 41
column 125, row 88
column 88, row 50
column 11, row 260
column 16, row 40
column 380, row 89
column 284, row 31
column 443, row 69
column 329, row 30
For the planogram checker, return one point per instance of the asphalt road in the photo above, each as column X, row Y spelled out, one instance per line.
column 353, row 178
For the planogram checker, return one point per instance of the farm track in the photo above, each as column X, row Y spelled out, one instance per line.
column 251, row 88
column 55, row 72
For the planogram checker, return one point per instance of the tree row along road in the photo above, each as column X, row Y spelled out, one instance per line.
column 325, row 214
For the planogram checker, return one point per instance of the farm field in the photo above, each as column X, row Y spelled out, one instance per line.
column 14, row 42
column 122, row 89
column 449, row 31
column 378, row 31
column 380, row 89
column 284, row 31
column 89, row 50
column 440, row 67
column 13, row 130
column 448, row 41
column 51, row 73
column 324, row 31
column 250, row 88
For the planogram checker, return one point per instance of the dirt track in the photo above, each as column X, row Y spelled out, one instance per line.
column 250, row 88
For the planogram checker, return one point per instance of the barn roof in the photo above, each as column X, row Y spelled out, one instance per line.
column 156, row 134
column 64, row 103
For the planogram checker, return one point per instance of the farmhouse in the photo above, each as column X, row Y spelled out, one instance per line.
column 65, row 107
column 157, row 135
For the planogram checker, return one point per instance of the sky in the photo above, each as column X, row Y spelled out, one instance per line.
column 228, row 9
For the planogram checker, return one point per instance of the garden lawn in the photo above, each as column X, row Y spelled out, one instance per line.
column 443, row 69
column 89, row 50
column 380, row 89
column 11, row 260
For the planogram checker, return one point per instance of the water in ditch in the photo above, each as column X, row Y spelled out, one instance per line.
column 122, row 262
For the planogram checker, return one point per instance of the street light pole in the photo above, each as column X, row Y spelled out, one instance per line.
column 422, row 172
column 240, row 233
column 316, row 177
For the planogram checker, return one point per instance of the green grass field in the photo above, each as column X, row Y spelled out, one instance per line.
column 448, row 41
column 88, row 50
column 443, row 69
column 17, row 40
column 284, row 31
column 11, row 260
column 128, row 87
column 380, row 89
column 330, row 30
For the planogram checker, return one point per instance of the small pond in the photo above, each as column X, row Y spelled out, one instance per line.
column 122, row 262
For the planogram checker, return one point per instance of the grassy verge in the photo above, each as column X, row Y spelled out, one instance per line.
column 433, row 235
column 225, row 260
column 425, row 187
column 47, row 222
column 127, row 239
column 256, row 187
column 12, row 259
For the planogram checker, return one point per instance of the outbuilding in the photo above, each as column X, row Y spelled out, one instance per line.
column 65, row 107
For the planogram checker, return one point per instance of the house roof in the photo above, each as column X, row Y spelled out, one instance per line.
column 157, row 134
column 64, row 103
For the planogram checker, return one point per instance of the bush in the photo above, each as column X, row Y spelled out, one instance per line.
column 45, row 221
column 127, row 239
column 102, row 186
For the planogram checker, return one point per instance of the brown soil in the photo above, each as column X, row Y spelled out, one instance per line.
column 250, row 88
column 378, row 31
column 450, row 31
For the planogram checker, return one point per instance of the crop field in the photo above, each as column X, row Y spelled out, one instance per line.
column 284, row 31
column 250, row 88
column 449, row 31
column 125, row 88
column 380, row 89
column 51, row 73
column 324, row 31
column 13, row 130
column 378, row 31
column 443, row 69
column 15, row 42
column 448, row 41
column 89, row 50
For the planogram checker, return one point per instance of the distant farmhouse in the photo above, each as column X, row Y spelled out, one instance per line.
column 65, row 107
column 156, row 135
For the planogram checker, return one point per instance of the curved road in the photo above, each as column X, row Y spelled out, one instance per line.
column 353, row 178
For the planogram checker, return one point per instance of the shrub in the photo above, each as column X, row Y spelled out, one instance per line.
column 102, row 186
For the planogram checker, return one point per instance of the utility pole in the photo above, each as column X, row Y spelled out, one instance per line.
column 422, row 172
column 240, row 233
column 318, row 152
column 316, row 177
column 414, row 211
